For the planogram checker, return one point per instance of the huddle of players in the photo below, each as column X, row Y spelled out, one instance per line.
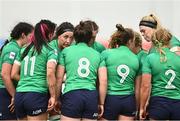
column 111, row 84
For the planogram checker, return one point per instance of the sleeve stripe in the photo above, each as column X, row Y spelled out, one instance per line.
column 17, row 62
column 52, row 60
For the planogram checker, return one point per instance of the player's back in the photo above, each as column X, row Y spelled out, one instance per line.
column 81, row 63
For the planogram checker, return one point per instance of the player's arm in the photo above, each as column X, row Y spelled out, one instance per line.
column 6, row 77
column 60, row 77
column 144, row 93
column 51, row 68
column 15, row 73
column 102, row 74
column 137, row 90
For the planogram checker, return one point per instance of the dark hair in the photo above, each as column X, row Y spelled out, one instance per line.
column 18, row 30
column 137, row 39
column 95, row 27
column 83, row 33
column 40, row 36
column 64, row 27
column 121, row 36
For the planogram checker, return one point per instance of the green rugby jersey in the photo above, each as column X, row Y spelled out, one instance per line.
column 54, row 45
column 141, row 56
column 174, row 42
column 81, row 63
column 98, row 47
column 33, row 74
column 122, row 66
column 165, row 75
column 8, row 55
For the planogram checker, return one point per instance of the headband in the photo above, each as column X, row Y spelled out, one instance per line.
column 65, row 30
column 148, row 24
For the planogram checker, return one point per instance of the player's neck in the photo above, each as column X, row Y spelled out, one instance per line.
column 20, row 42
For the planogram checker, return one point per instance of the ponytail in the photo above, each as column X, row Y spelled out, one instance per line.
column 161, row 39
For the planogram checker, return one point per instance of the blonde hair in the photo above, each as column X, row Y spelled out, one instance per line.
column 161, row 38
column 150, row 21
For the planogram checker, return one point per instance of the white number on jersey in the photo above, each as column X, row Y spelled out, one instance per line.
column 169, row 83
column 123, row 74
column 32, row 59
column 83, row 65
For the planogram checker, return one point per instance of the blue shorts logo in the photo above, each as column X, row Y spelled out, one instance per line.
column 37, row 111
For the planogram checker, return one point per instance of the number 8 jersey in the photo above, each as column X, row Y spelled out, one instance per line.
column 165, row 75
column 122, row 66
column 81, row 64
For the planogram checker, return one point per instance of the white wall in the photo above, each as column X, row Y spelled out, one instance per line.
column 0, row 18
column 107, row 13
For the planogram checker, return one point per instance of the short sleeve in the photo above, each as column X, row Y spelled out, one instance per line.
column 102, row 61
column 9, row 57
column 61, row 60
column 141, row 61
column 146, row 66
column 53, row 55
column 18, row 58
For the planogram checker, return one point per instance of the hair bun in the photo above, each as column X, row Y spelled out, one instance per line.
column 81, row 23
column 120, row 27
column 151, row 15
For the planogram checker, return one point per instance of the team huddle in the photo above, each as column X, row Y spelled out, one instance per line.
column 62, row 72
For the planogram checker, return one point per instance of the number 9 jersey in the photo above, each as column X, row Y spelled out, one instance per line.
column 122, row 66
column 165, row 75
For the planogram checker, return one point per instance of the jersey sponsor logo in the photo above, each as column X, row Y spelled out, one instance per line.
column 12, row 55
column 37, row 111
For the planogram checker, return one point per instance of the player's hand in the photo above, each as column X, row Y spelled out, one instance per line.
column 51, row 103
column 11, row 106
column 142, row 114
column 57, row 106
column 100, row 111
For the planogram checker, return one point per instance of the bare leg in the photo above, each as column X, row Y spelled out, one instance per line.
column 125, row 118
column 102, row 119
column 65, row 118
column 155, row 120
column 24, row 119
column 40, row 117
column 85, row 119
